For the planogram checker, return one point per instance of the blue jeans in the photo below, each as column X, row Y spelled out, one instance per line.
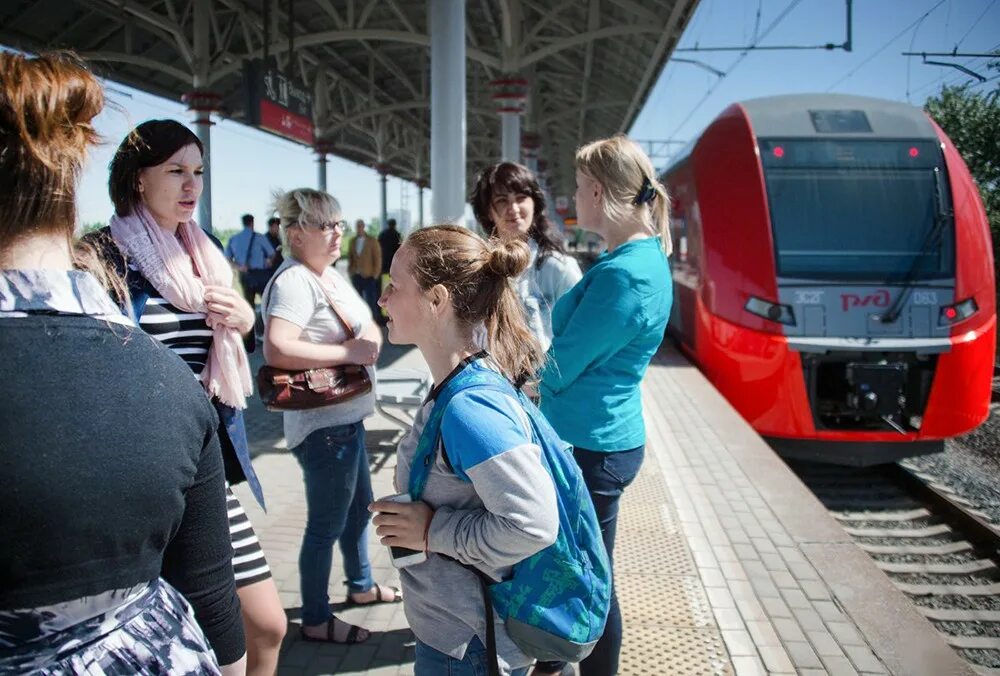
column 606, row 475
column 430, row 662
column 338, row 491
column 368, row 289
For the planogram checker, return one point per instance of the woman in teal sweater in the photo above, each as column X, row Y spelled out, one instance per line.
column 605, row 331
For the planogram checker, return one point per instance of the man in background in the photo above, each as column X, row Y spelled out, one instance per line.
column 364, row 265
column 251, row 253
column 274, row 239
column 388, row 241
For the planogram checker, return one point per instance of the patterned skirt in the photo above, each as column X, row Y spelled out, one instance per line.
column 147, row 629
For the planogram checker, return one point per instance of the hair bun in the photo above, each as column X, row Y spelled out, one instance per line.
column 48, row 103
column 507, row 257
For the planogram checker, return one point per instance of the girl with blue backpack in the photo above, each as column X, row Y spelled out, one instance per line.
column 497, row 503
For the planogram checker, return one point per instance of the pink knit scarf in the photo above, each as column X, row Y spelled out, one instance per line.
column 165, row 263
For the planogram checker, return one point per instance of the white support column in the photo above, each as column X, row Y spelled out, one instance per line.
column 420, row 203
column 446, row 20
column 383, row 176
column 510, row 95
column 321, row 171
column 530, row 143
column 203, row 102
column 510, row 137
column 323, row 148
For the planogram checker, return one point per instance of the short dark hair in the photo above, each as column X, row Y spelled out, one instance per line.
column 510, row 177
column 391, row 222
column 247, row 220
column 149, row 144
column 273, row 220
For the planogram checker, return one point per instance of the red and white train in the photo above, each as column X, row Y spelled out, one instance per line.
column 833, row 275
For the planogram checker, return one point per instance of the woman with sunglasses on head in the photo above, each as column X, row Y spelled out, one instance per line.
column 302, row 331
column 113, row 516
column 605, row 331
column 180, row 292
column 509, row 203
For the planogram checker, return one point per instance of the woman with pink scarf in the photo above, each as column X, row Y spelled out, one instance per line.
column 181, row 294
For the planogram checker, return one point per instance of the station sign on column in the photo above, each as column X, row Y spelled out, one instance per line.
column 277, row 103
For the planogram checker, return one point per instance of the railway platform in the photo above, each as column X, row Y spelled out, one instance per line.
column 725, row 562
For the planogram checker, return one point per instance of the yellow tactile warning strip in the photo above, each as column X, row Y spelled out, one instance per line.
column 668, row 623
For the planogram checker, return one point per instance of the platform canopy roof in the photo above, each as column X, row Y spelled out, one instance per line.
column 589, row 64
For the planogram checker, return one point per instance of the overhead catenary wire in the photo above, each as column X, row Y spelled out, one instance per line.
column 885, row 46
column 975, row 23
column 957, row 79
column 733, row 66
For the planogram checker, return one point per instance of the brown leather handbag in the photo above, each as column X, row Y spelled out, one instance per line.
column 284, row 390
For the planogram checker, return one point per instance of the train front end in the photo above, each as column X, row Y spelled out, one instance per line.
column 873, row 295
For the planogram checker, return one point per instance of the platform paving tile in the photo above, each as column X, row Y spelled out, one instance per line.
column 839, row 666
column 803, row 656
column 749, row 666
column 789, row 630
column 776, row 660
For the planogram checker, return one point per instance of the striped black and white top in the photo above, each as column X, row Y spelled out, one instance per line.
column 185, row 333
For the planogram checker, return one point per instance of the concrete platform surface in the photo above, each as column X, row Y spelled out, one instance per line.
column 725, row 563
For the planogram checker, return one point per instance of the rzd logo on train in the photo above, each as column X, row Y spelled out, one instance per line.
column 878, row 299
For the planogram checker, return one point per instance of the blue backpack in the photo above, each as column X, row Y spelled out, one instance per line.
column 555, row 603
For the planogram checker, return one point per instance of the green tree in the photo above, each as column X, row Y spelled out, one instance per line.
column 972, row 121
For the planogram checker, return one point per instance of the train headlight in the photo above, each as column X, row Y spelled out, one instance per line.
column 952, row 314
column 772, row 311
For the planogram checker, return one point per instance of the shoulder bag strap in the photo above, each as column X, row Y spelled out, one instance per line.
column 348, row 329
column 333, row 306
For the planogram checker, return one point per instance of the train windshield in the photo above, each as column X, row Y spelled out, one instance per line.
column 859, row 210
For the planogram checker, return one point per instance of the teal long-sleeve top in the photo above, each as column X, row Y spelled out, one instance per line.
column 605, row 330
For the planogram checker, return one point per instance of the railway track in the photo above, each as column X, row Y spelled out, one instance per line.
column 934, row 546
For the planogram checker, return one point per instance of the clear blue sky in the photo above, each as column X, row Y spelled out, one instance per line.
column 249, row 164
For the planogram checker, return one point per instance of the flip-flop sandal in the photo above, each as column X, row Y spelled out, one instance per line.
column 397, row 597
column 352, row 634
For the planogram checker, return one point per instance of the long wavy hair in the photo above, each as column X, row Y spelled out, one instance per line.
column 509, row 177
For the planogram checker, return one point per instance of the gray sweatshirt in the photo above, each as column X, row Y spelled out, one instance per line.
column 496, row 507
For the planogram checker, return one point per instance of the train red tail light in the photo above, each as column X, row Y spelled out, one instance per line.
column 952, row 314
column 914, row 152
column 771, row 311
column 778, row 152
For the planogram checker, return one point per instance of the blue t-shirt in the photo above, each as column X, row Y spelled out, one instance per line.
column 605, row 330
column 241, row 249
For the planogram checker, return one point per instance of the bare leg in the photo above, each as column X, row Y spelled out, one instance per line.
column 265, row 624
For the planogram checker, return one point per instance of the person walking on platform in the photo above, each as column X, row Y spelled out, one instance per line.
column 388, row 242
column 305, row 307
column 364, row 265
column 252, row 254
column 605, row 331
column 113, row 519
column 495, row 505
column 508, row 202
column 274, row 239
column 181, row 293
